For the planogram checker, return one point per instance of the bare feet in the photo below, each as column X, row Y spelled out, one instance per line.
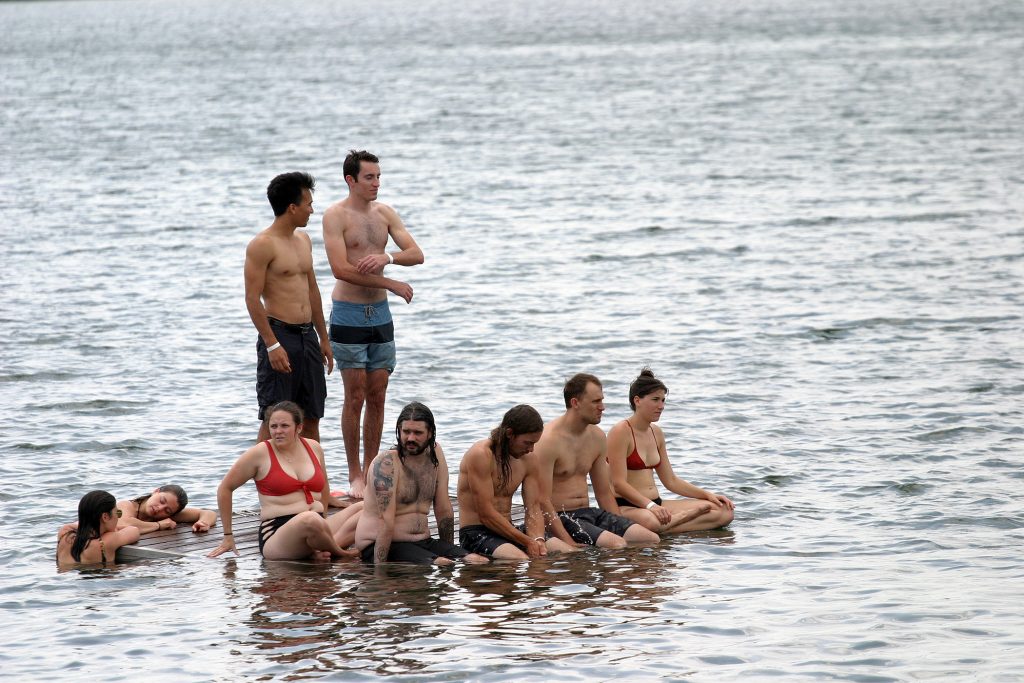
column 695, row 513
column 356, row 486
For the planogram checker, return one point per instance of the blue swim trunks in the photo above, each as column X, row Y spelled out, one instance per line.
column 363, row 336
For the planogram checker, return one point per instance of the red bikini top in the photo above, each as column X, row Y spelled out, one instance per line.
column 280, row 483
column 634, row 461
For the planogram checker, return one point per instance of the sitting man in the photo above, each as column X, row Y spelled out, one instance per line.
column 393, row 525
column 572, row 447
column 492, row 470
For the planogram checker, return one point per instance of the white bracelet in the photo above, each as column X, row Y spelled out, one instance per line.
column 391, row 259
column 539, row 538
column 274, row 347
column 651, row 504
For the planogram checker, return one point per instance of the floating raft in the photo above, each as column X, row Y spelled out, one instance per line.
column 181, row 541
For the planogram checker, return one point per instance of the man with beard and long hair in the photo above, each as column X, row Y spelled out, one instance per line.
column 492, row 470
column 405, row 481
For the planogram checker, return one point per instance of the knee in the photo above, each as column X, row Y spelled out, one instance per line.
column 442, row 561
column 609, row 540
column 725, row 517
column 313, row 522
column 375, row 396
column 641, row 534
column 355, row 395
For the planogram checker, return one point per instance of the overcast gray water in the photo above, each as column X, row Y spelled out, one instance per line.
column 805, row 216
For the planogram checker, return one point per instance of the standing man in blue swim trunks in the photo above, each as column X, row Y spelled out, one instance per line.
column 284, row 303
column 356, row 232
column 572, row 448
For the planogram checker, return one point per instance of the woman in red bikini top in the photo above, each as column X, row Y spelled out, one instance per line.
column 636, row 450
column 94, row 538
column 291, row 480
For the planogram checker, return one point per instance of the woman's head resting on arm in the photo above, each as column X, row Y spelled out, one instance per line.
column 163, row 503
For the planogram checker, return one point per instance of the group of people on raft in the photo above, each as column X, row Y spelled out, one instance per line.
column 549, row 465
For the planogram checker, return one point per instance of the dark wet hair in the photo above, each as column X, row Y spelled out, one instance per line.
column 289, row 407
column 354, row 160
column 90, row 515
column 286, row 189
column 645, row 384
column 576, row 385
column 522, row 419
column 417, row 412
column 173, row 489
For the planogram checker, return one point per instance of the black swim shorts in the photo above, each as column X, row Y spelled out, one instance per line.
column 416, row 552
column 586, row 524
column 306, row 383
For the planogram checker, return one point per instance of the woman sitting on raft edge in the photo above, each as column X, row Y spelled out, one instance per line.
column 291, row 480
column 164, row 508
column 635, row 447
column 94, row 538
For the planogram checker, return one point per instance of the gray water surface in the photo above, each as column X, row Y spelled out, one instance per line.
column 805, row 216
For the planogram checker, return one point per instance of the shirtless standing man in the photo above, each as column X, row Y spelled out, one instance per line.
column 406, row 481
column 284, row 303
column 490, row 473
column 356, row 230
column 572, row 447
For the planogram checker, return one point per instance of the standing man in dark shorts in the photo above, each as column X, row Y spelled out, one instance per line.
column 285, row 306
column 572, row 448
column 406, row 481
column 356, row 231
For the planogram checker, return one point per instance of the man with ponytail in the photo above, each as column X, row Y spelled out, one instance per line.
column 492, row 470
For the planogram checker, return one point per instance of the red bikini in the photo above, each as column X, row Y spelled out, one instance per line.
column 280, row 483
column 635, row 461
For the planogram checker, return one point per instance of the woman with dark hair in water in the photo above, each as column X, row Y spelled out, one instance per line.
column 291, row 480
column 164, row 508
column 636, row 449
column 94, row 538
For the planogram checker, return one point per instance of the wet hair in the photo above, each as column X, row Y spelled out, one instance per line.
column 173, row 489
column 289, row 407
column 576, row 385
column 416, row 412
column 90, row 516
column 286, row 189
column 354, row 161
column 522, row 419
column 645, row 384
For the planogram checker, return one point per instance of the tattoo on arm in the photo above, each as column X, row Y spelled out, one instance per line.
column 446, row 529
column 383, row 482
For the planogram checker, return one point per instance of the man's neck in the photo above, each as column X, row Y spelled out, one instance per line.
column 573, row 423
column 282, row 226
column 356, row 203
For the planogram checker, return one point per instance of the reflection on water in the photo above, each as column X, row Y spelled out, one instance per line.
column 405, row 619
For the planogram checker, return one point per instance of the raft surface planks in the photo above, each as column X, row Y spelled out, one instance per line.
column 182, row 542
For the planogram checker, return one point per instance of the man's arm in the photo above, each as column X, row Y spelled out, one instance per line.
column 337, row 256
column 443, row 512
column 600, row 478
column 257, row 259
column 545, row 474
column 317, row 307
column 385, row 486
column 534, row 512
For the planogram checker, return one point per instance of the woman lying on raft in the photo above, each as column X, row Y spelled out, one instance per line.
column 94, row 538
column 291, row 480
column 165, row 508
column 636, row 447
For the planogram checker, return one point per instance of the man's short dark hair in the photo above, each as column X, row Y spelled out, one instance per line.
column 576, row 385
column 353, row 161
column 286, row 189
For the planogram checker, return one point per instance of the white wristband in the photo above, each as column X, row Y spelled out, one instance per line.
column 391, row 259
column 651, row 505
column 274, row 347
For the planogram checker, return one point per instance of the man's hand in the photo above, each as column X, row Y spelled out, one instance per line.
column 536, row 548
column 279, row 360
column 403, row 290
column 328, row 355
column 372, row 264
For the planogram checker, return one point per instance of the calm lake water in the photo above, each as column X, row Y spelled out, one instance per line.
column 807, row 217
